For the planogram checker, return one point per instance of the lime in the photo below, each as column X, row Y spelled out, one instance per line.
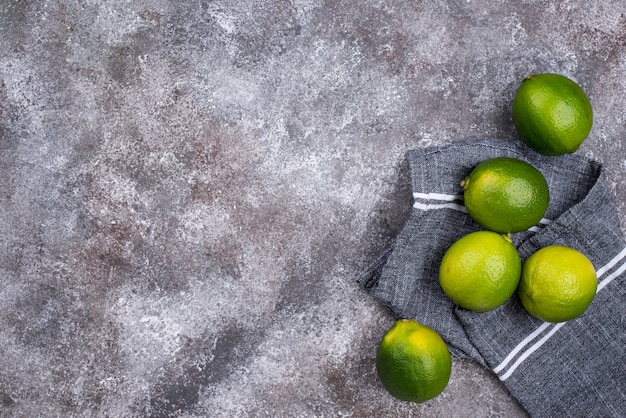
column 506, row 195
column 480, row 271
column 552, row 114
column 413, row 362
column 558, row 283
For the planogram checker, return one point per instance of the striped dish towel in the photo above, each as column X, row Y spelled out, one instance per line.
column 576, row 368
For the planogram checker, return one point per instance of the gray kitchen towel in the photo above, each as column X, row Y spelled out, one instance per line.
column 575, row 368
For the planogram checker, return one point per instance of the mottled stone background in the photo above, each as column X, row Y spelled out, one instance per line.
column 189, row 188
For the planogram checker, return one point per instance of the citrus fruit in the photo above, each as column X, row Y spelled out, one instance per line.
column 506, row 195
column 558, row 283
column 413, row 362
column 480, row 271
column 552, row 114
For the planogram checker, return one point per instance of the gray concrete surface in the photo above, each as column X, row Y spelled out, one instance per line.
column 189, row 188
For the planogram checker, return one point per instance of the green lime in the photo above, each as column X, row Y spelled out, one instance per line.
column 506, row 195
column 480, row 271
column 413, row 362
column 552, row 114
column 558, row 283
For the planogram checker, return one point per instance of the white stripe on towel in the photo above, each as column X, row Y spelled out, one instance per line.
column 433, row 201
column 555, row 327
column 438, row 196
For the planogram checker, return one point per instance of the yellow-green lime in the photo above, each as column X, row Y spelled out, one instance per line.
column 480, row 271
column 506, row 195
column 552, row 114
column 413, row 361
column 558, row 283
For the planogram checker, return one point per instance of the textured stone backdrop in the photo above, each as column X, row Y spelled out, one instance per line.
column 189, row 188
